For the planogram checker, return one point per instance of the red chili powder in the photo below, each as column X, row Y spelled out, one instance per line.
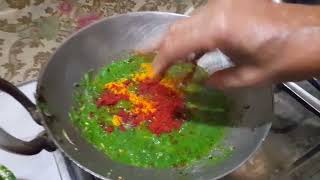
column 109, row 129
column 108, row 99
column 168, row 105
column 125, row 116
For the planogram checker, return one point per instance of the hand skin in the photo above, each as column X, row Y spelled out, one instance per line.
column 268, row 42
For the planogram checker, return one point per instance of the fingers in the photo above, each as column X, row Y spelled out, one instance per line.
column 184, row 37
column 151, row 47
column 238, row 77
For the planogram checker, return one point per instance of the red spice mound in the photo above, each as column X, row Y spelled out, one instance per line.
column 108, row 98
column 125, row 116
column 168, row 103
column 169, row 106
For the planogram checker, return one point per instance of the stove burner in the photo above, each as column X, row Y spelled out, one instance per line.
column 299, row 95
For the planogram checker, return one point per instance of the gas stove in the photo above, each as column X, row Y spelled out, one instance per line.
column 290, row 152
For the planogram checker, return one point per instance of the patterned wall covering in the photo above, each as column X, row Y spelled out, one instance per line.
column 30, row 30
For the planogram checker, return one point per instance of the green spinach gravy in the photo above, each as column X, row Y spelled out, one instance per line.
column 141, row 122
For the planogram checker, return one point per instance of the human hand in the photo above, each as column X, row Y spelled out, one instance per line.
column 267, row 42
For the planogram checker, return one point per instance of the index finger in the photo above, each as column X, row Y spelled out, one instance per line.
column 183, row 38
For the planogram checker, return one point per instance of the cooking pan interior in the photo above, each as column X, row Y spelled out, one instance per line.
column 111, row 39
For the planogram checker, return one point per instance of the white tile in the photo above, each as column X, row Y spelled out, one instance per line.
column 16, row 120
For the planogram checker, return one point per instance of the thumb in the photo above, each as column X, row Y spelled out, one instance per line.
column 237, row 77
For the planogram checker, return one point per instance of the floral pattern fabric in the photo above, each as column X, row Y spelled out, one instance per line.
column 31, row 30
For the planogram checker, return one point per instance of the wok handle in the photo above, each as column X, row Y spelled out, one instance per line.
column 10, row 143
column 305, row 98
